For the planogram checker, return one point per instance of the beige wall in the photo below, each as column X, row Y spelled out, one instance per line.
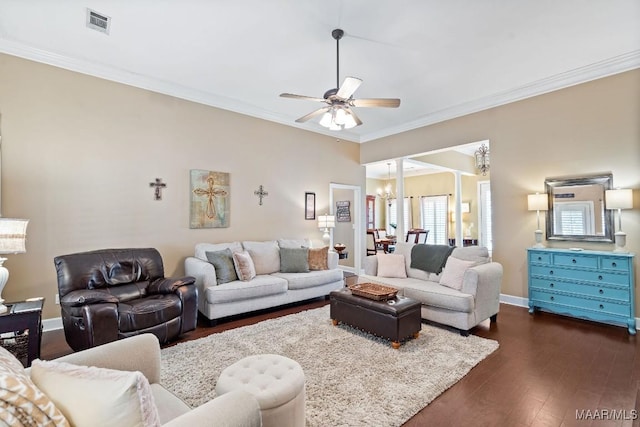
column 79, row 153
column 585, row 129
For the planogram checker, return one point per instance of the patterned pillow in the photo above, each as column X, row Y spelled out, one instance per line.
column 91, row 396
column 318, row 258
column 223, row 263
column 244, row 266
column 21, row 402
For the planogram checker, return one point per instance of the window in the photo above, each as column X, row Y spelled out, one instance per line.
column 574, row 218
column 392, row 214
column 486, row 237
column 433, row 217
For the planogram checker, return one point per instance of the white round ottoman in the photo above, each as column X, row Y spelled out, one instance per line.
column 276, row 382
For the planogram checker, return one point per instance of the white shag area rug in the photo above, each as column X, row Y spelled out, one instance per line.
column 352, row 378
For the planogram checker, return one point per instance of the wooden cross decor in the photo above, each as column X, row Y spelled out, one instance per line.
column 261, row 194
column 159, row 185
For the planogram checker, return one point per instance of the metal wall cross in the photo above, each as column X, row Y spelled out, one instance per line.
column 159, row 185
column 261, row 194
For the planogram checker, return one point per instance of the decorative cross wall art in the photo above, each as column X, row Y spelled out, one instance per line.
column 159, row 185
column 261, row 194
column 210, row 194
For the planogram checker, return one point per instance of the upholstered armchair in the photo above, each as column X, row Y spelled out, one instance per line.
column 109, row 294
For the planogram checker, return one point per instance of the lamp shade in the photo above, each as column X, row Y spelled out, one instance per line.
column 619, row 199
column 326, row 221
column 13, row 235
column 538, row 202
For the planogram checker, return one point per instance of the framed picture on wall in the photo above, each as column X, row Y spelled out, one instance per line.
column 343, row 214
column 309, row 205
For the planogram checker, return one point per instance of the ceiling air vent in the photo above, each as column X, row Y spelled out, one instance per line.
column 97, row 21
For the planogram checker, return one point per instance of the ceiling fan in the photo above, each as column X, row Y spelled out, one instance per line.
column 339, row 114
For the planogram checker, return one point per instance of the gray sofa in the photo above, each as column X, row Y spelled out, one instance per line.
column 477, row 300
column 269, row 288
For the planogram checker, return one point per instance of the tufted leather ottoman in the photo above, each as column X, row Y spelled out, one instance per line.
column 276, row 382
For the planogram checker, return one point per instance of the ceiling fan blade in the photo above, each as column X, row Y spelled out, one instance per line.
column 349, row 86
column 308, row 98
column 313, row 114
column 376, row 102
column 355, row 117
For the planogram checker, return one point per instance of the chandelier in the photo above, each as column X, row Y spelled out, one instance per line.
column 482, row 159
column 387, row 193
column 337, row 118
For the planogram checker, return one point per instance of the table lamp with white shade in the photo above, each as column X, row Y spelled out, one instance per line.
column 619, row 199
column 326, row 222
column 13, row 236
column 538, row 202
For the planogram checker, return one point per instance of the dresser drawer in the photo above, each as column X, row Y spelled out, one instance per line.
column 621, row 309
column 621, row 294
column 591, row 276
column 614, row 264
column 575, row 260
column 539, row 258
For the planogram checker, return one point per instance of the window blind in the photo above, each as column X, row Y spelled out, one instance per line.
column 433, row 217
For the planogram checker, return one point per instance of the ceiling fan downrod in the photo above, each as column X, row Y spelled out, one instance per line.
column 337, row 34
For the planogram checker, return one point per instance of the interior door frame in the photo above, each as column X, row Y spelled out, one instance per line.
column 358, row 221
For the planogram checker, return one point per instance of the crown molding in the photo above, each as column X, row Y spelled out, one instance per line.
column 611, row 66
column 608, row 67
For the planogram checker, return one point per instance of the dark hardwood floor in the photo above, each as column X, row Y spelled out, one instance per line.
column 547, row 368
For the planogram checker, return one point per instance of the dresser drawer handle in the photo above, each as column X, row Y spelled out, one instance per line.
column 601, row 306
column 551, row 285
column 573, row 261
column 550, row 271
column 551, row 298
column 601, row 292
column 539, row 258
column 614, row 265
column 600, row 277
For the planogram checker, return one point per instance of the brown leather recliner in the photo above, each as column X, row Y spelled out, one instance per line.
column 109, row 294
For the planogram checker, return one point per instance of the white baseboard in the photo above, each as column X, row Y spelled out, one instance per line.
column 52, row 324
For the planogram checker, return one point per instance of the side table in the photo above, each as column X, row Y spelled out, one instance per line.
column 24, row 320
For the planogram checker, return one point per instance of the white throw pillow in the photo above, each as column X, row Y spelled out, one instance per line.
column 91, row 396
column 294, row 243
column 265, row 256
column 244, row 266
column 453, row 272
column 391, row 265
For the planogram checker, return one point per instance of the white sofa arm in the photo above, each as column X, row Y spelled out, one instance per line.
column 203, row 271
column 484, row 282
column 137, row 353
column 236, row 408
column 332, row 260
column 371, row 265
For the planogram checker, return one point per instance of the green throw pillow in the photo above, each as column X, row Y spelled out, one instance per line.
column 223, row 263
column 294, row 260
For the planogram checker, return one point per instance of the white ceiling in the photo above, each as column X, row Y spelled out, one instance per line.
column 442, row 58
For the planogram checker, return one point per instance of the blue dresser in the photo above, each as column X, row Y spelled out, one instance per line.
column 591, row 285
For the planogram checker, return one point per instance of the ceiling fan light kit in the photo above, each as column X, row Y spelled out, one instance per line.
column 338, row 114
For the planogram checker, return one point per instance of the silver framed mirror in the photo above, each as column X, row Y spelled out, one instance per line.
column 577, row 208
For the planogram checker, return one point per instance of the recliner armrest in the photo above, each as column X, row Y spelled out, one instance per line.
column 87, row 296
column 236, row 408
column 169, row 285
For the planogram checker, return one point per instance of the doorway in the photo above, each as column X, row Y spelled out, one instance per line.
column 345, row 203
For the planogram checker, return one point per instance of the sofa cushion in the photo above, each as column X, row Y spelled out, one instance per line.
column 259, row 286
column 125, row 397
column 453, row 272
column 391, row 265
column 203, row 248
column 477, row 254
column 436, row 295
column 223, row 263
column 310, row 279
column 147, row 312
column 265, row 256
column 318, row 258
column 244, row 266
column 294, row 260
column 294, row 243
column 21, row 399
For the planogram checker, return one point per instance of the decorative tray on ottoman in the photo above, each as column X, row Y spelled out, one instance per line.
column 374, row 291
